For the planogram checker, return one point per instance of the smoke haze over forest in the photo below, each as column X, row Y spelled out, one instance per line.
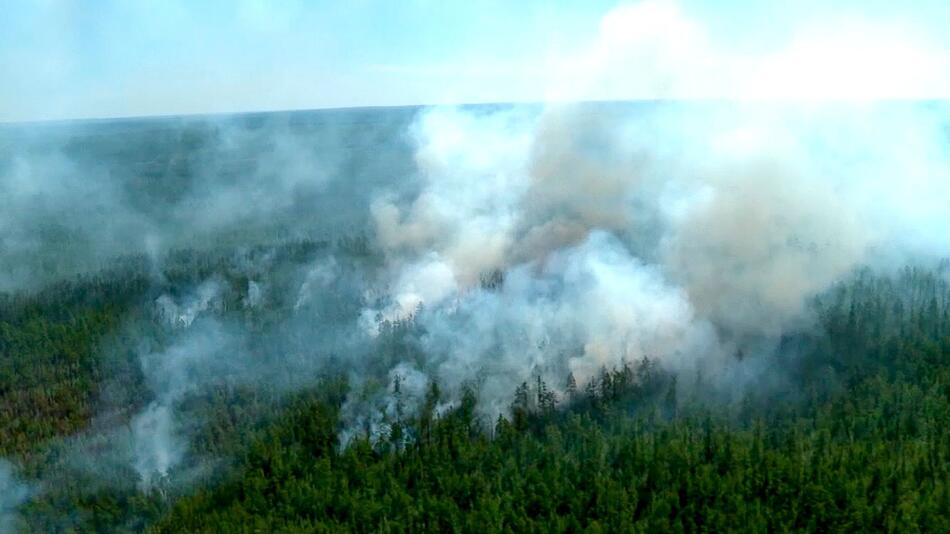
column 658, row 197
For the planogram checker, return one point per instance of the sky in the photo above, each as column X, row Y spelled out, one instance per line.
column 67, row 59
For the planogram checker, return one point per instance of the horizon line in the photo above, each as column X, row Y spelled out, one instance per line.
column 218, row 114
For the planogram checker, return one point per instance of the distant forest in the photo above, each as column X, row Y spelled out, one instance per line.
column 414, row 320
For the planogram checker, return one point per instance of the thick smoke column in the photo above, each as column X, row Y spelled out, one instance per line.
column 521, row 241
column 686, row 232
column 682, row 233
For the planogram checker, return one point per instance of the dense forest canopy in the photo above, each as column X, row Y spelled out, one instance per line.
column 600, row 317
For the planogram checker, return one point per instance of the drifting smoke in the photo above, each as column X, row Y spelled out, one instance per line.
column 373, row 413
column 579, row 310
column 517, row 241
column 682, row 233
column 202, row 356
column 13, row 493
column 181, row 315
column 77, row 195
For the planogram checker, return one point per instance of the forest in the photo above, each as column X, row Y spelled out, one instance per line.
column 600, row 318
column 858, row 439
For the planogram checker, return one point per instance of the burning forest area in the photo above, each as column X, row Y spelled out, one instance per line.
column 638, row 267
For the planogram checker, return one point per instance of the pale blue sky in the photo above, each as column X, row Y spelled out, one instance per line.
column 103, row 58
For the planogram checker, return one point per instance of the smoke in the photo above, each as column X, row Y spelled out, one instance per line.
column 761, row 227
column 682, row 233
column 157, row 444
column 497, row 244
column 205, row 355
column 220, row 335
column 375, row 413
column 739, row 212
column 579, row 310
column 77, row 195
column 181, row 315
column 467, row 206
column 197, row 358
column 13, row 493
column 528, row 241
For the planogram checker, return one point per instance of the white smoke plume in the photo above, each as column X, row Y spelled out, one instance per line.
column 184, row 312
column 375, row 414
column 684, row 232
column 578, row 310
column 255, row 294
column 201, row 356
column 676, row 232
column 319, row 277
column 530, row 241
column 13, row 493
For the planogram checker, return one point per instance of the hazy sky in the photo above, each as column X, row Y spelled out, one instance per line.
column 102, row 58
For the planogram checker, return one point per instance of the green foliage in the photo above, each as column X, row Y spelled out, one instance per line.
column 858, row 440
column 867, row 449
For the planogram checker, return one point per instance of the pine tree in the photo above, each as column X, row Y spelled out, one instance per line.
column 571, row 386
